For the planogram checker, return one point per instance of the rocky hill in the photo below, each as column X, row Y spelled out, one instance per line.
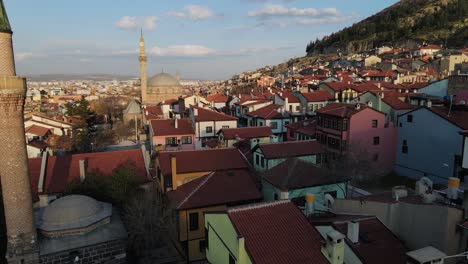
column 405, row 24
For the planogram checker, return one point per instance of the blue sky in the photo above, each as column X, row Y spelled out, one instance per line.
column 209, row 39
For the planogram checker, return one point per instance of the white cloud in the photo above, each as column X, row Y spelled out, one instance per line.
column 194, row 12
column 133, row 22
column 22, row 56
column 183, row 51
column 275, row 10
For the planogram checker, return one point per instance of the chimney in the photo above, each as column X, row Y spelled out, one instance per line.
column 353, row 231
column 429, row 103
column 195, row 111
column 173, row 170
column 309, row 206
column 40, row 184
column 82, row 170
column 333, row 247
column 176, row 125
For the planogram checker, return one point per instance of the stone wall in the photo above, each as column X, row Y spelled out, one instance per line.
column 112, row 252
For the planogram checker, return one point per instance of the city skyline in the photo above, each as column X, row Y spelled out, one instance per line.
column 201, row 40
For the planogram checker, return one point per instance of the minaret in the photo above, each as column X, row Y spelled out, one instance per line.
column 143, row 60
column 22, row 244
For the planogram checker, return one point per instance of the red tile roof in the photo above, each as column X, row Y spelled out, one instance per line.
column 246, row 132
column 318, row 96
column 37, row 130
column 217, row 98
column 153, row 112
column 306, row 127
column 392, row 98
column 290, row 149
column 216, row 188
column 277, row 233
column 202, row 160
column 267, row 112
column 289, row 95
column 295, row 174
column 38, row 144
column 166, row 127
column 340, row 109
column 209, row 115
column 377, row 244
column 63, row 170
column 359, row 87
column 457, row 117
column 376, row 73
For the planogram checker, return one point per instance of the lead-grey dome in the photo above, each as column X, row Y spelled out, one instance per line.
column 73, row 214
column 163, row 79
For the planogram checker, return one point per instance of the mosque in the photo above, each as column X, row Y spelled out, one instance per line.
column 159, row 87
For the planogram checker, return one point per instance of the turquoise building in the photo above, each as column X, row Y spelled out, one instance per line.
column 294, row 179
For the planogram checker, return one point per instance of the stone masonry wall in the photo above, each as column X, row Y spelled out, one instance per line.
column 112, row 252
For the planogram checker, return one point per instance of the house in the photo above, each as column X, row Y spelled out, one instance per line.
column 208, row 123
column 245, row 106
column 346, row 92
column 294, row 179
column 172, row 134
column 371, row 61
column 151, row 113
column 175, row 168
column 302, row 130
column 272, row 115
column 376, row 75
column 213, row 192
column 267, row 156
column 390, row 102
column 357, row 129
column 314, row 100
column 35, row 148
column 58, row 127
column 265, row 233
column 409, row 215
column 218, row 101
column 51, row 175
column 291, row 103
column 185, row 102
column 229, row 136
column 372, row 241
column 429, row 143
column 37, row 132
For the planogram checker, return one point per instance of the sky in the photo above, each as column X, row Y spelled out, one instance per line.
column 210, row 39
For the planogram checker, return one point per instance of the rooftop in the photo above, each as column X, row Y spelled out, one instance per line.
column 210, row 115
column 290, row 149
column 246, row 132
column 216, row 188
column 202, row 160
column 267, row 112
column 277, row 233
column 167, row 127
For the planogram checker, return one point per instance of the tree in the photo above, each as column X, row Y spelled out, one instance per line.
column 83, row 131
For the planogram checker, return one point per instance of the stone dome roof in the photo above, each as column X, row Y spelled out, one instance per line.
column 163, row 79
column 73, row 212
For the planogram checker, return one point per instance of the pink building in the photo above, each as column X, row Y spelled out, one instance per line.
column 172, row 134
column 360, row 129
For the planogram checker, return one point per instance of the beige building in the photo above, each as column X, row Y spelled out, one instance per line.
column 447, row 63
column 159, row 87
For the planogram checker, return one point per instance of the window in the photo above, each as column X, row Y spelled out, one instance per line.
column 276, row 197
column 186, row 140
column 298, row 108
column 225, row 127
column 404, row 148
column 171, row 141
column 231, row 259
column 202, row 245
column 193, row 221
column 409, row 118
column 273, row 125
column 209, row 129
column 345, row 124
column 262, row 162
column 375, row 123
column 290, row 108
column 257, row 159
column 376, row 140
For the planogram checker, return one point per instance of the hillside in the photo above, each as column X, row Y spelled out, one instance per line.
column 405, row 24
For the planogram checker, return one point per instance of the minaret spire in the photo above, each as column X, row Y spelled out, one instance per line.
column 143, row 59
column 22, row 244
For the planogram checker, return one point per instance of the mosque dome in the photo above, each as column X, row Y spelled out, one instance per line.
column 73, row 214
column 163, row 79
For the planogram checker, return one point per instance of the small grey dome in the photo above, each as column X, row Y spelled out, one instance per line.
column 73, row 212
column 163, row 79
